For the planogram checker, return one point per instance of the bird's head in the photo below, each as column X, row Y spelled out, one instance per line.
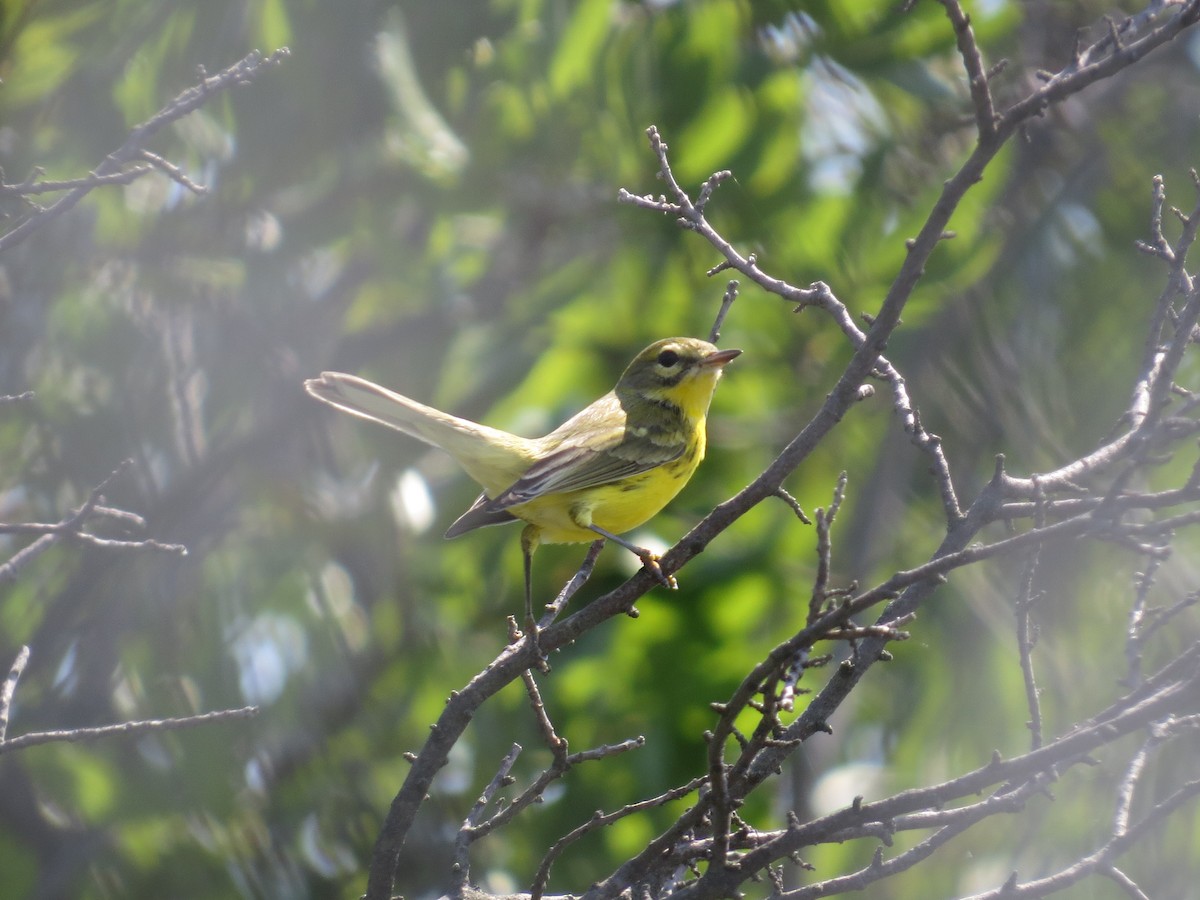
column 680, row 371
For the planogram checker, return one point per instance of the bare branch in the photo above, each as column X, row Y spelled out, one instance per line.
column 125, row 729
column 579, row 579
column 30, row 188
column 731, row 292
column 599, row 820
column 114, row 165
column 172, row 171
column 71, row 528
column 981, row 95
column 820, row 591
column 1100, row 861
column 1027, row 634
column 794, row 504
column 9, row 689
column 467, row 834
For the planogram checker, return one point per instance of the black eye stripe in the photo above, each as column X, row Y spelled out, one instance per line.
column 669, row 379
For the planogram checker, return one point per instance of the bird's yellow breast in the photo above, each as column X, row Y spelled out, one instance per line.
column 617, row 507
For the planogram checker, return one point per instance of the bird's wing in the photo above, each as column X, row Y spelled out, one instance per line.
column 566, row 469
column 600, row 450
column 478, row 516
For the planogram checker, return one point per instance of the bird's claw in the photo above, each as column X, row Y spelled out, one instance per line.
column 532, row 633
column 651, row 562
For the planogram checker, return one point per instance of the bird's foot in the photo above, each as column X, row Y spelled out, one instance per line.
column 651, row 562
column 532, row 635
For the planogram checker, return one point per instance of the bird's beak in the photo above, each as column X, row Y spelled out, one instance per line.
column 720, row 358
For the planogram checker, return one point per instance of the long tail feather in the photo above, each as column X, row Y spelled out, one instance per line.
column 492, row 457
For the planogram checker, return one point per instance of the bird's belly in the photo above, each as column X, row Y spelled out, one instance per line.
column 617, row 508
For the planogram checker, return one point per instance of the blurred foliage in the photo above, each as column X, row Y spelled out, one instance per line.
column 429, row 198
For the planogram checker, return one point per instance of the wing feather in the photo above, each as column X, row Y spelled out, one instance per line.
column 576, row 468
column 479, row 515
column 592, row 449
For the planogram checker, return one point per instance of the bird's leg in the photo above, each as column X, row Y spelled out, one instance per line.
column 649, row 560
column 529, row 542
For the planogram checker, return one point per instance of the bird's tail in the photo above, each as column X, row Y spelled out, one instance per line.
column 494, row 458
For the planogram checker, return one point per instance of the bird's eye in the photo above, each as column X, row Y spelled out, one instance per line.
column 668, row 358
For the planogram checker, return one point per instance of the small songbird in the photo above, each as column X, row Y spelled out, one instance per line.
column 604, row 471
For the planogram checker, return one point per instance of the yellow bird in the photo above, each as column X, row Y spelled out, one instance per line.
column 604, row 471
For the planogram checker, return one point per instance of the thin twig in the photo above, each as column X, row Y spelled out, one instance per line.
column 793, row 503
column 125, row 729
column 1027, row 632
column 582, row 574
column 71, row 528
column 968, row 49
column 816, row 603
column 557, row 745
column 467, row 833
column 29, row 187
column 9, row 689
column 241, row 72
column 599, row 820
column 537, row 788
column 731, row 292
column 173, row 172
